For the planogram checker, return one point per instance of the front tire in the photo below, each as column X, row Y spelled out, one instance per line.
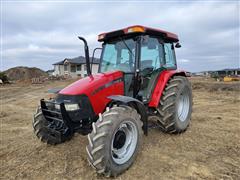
column 50, row 132
column 115, row 140
column 175, row 106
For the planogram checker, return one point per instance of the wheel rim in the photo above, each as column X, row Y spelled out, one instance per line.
column 183, row 106
column 124, row 142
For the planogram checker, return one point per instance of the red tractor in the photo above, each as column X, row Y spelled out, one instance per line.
column 137, row 79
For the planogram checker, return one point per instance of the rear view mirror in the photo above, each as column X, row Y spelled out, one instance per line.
column 145, row 40
column 152, row 45
column 149, row 42
column 178, row 45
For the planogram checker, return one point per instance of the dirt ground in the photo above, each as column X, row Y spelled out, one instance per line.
column 209, row 149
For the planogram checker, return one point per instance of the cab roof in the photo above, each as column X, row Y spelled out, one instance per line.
column 138, row 29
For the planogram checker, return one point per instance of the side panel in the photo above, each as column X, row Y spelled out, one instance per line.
column 162, row 81
column 99, row 99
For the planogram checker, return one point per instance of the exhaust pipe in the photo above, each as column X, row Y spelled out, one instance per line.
column 86, row 55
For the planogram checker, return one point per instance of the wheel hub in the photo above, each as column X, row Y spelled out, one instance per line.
column 119, row 140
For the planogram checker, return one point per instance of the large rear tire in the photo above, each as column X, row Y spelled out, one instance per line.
column 175, row 106
column 50, row 132
column 115, row 140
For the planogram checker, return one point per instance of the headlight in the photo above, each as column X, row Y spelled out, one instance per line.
column 68, row 107
column 57, row 106
column 71, row 107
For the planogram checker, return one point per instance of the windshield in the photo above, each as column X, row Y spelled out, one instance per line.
column 118, row 55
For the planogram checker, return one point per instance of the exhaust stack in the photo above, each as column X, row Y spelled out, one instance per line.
column 86, row 55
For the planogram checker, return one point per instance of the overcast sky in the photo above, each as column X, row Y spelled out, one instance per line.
column 38, row 34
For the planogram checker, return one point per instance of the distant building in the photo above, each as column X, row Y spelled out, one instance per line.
column 50, row 72
column 225, row 72
column 75, row 67
column 217, row 73
column 229, row 72
column 198, row 74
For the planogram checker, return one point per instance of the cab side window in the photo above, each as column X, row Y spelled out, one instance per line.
column 151, row 53
column 109, row 58
column 170, row 61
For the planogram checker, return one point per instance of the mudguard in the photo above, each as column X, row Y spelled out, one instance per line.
column 138, row 105
column 162, row 81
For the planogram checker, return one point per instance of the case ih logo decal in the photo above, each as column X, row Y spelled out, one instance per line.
column 118, row 80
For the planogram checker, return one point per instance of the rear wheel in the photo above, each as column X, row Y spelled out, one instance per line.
column 115, row 140
column 175, row 106
column 54, row 132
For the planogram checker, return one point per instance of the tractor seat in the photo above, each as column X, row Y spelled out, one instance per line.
column 146, row 67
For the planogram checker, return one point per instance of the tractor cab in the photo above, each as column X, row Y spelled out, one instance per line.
column 141, row 53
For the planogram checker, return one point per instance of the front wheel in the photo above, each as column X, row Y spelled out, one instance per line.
column 54, row 132
column 115, row 140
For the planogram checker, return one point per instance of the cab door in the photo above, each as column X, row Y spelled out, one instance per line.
column 150, row 65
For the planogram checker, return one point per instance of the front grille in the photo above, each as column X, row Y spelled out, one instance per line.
column 52, row 114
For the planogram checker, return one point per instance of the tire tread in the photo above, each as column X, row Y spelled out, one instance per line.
column 166, row 109
column 100, row 134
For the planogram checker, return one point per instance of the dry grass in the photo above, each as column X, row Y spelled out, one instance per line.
column 209, row 149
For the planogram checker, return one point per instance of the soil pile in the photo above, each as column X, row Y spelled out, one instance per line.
column 24, row 73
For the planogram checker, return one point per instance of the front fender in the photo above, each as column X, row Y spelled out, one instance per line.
column 138, row 105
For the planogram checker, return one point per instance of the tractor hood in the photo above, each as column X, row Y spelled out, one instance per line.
column 97, row 88
column 90, row 85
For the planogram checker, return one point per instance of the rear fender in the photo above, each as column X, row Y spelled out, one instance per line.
column 135, row 103
column 162, row 81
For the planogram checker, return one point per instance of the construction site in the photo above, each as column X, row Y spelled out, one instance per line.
column 209, row 149
column 113, row 90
